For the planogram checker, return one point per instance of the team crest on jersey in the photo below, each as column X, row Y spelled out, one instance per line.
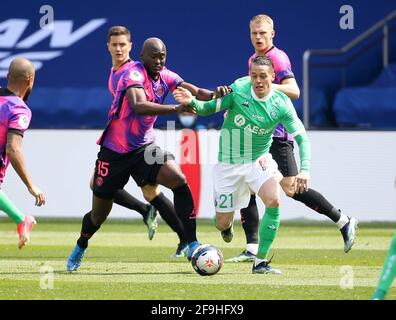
column 273, row 113
column 23, row 121
column 239, row 120
column 160, row 91
column 136, row 76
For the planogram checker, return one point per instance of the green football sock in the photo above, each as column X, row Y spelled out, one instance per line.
column 268, row 229
column 9, row 208
column 388, row 272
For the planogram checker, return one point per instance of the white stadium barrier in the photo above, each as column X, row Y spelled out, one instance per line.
column 354, row 170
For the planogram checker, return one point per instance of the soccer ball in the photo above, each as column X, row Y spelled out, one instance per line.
column 207, row 260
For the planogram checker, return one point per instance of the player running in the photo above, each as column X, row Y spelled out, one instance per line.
column 262, row 34
column 254, row 111
column 128, row 148
column 15, row 118
column 119, row 45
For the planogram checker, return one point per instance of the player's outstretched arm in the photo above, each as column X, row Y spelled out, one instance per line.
column 205, row 94
column 199, row 93
column 14, row 153
column 185, row 97
column 137, row 99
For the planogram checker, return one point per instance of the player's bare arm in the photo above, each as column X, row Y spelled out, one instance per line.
column 289, row 87
column 138, row 101
column 14, row 152
column 204, row 94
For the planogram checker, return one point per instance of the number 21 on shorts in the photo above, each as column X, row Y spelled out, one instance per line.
column 225, row 201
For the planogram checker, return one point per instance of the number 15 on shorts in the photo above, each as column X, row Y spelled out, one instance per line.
column 224, row 201
column 103, row 168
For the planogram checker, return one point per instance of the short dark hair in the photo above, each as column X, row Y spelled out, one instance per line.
column 118, row 31
column 263, row 61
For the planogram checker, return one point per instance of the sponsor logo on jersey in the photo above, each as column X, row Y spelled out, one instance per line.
column 246, row 104
column 239, row 120
column 257, row 117
column 136, row 76
column 23, row 121
column 257, row 130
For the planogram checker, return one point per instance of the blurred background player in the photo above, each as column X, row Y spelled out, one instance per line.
column 15, row 118
column 128, row 149
column 262, row 34
column 388, row 273
column 245, row 164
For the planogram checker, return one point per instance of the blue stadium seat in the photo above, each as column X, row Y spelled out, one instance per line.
column 71, row 108
column 371, row 107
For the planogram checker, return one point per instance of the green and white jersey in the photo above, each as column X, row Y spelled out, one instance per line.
column 247, row 131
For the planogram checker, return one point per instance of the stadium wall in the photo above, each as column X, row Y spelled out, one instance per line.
column 355, row 170
column 208, row 44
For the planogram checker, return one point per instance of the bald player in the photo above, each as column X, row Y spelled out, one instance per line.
column 128, row 147
column 14, row 120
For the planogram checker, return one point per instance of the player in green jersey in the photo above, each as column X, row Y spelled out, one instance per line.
column 245, row 164
column 388, row 273
column 262, row 34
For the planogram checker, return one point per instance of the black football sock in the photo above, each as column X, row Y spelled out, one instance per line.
column 184, row 207
column 317, row 202
column 167, row 212
column 87, row 231
column 125, row 199
column 250, row 220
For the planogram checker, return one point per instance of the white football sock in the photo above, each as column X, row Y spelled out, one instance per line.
column 252, row 248
column 342, row 221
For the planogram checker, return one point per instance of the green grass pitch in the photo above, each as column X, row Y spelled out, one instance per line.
column 121, row 263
